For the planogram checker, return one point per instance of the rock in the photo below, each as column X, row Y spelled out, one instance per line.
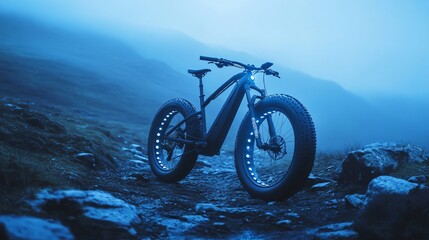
column 219, row 224
column 394, row 209
column 334, row 231
column 144, row 158
column 195, row 218
column 24, row 227
column 90, row 212
column 377, row 159
column 137, row 147
column 206, row 207
column 87, row 159
column 418, row 179
column 320, row 186
column 313, row 179
column 386, row 185
column 354, row 200
column 95, row 161
column 175, row 227
column 284, row 223
column 333, row 203
column 292, row 215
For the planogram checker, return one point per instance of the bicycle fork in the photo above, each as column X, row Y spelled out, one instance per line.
column 250, row 104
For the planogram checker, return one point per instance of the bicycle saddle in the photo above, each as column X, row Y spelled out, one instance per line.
column 199, row 73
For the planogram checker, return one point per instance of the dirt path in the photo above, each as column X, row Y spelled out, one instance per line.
column 210, row 202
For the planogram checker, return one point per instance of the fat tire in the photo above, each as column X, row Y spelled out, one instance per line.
column 304, row 150
column 193, row 128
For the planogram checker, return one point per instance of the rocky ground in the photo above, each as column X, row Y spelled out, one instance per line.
column 77, row 176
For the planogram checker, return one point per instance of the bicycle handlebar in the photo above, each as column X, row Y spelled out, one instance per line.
column 210, row 59
column 221, row 62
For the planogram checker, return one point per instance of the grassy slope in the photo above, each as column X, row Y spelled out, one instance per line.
column 90, row 72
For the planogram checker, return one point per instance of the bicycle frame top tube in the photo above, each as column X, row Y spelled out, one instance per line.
column 221, row 125
column 222, row 88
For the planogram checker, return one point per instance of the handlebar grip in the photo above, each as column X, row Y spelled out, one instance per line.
column 210, row 59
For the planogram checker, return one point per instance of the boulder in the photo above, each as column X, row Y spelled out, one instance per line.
column 361, row 166
column 386, row 185
column 31, row 228
column 394, row 209
column 89, row 213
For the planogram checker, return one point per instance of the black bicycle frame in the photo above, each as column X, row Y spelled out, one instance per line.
column 213, row 140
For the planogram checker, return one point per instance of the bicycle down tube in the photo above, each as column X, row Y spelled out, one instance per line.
column 216, row 135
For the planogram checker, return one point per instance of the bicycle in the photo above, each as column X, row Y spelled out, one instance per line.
column 275, row 144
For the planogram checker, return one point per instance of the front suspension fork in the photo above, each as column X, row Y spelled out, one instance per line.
column 251, row 106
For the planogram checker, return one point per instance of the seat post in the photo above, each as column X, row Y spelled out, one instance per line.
column 200, row 74
column 203, row 110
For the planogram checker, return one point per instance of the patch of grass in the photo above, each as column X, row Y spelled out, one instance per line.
column 408, row 170
column 23, row 173
column 15, row 173
column 327, row 162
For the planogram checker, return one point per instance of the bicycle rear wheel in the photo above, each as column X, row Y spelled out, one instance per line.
column 278, row 171
column 170, row 160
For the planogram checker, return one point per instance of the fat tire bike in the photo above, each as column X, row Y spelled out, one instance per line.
column 275, row 144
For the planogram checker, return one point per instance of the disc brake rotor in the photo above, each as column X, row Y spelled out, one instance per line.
column 277, row 148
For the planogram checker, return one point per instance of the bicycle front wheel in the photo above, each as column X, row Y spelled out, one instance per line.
column 279, row 169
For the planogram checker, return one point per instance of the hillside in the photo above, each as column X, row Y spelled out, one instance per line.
column 84, row 71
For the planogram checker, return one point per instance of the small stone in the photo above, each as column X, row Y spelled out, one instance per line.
column 269, row 214
column 332, row 202
column 195, row 218
column 313, row 179
column 137, row 146
column 418, row 179
column 285, row 222
column 218, row 224
column 320, row 186
column 136, row 161
column 354, row 200
column 206, row 207
column 292, row 215
column 87, row 159
column 144, row 158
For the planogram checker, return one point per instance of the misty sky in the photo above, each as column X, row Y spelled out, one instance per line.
column 369, row 47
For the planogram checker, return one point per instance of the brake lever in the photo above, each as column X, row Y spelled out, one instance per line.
column 219, row 65
column 272, row 72
column 276, row 74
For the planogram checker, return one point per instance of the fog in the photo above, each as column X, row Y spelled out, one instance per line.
column 376, row 52
column 368, row 47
